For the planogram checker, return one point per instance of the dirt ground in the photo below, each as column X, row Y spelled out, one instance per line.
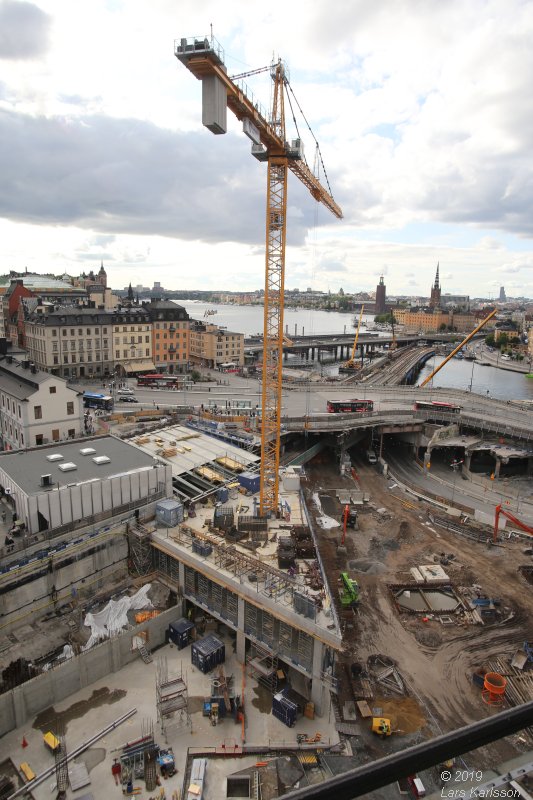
column 436, row 661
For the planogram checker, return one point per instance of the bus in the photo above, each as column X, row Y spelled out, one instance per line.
column 436, row 405
column 343, row 406
column 96, row 400
column 161, row 381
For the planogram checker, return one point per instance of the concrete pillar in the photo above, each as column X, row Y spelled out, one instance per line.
column 317, row 685
column 240, row 650
column 467, row 462
column 497, row 468
column 181, row 574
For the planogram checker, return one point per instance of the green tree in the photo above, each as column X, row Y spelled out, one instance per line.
column 196, row 376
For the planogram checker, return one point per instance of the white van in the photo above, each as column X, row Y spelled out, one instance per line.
column 371, row 457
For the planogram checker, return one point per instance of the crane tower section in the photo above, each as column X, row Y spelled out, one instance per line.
column 204, row 57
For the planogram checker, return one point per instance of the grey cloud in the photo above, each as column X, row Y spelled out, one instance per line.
column 128, row 176
column 24, row 30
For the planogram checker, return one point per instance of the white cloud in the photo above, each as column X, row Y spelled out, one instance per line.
column 422, row 112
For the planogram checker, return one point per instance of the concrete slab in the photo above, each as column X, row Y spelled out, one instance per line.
column 137, row 680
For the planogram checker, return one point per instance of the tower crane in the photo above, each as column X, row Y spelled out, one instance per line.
column 204, row 58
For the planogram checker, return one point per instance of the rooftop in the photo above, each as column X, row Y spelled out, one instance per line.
column 26, row 467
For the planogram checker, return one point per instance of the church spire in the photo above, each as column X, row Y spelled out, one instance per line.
column 437, row 284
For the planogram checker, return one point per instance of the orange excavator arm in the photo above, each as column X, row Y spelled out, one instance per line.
column 511, row 517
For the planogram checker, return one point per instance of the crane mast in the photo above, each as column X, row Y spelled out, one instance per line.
column 204, row 57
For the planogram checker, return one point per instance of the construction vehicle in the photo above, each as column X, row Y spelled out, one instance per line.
column 204, row 58
column 381, row 726
column 349, row 520
column 499, row 511
column 351, row 364
column 349, row 593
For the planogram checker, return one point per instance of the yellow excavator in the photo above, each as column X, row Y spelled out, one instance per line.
column 351, row 365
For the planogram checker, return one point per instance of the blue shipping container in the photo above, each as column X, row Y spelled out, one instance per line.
column 284, row 709
column 249, row 481
column 179, row 632
column 207, row 653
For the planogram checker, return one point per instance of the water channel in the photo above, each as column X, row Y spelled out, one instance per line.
column 458, row 374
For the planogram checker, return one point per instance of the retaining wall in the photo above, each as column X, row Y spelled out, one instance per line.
column 25, row 701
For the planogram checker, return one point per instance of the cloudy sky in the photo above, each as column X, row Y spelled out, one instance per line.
column 422, row 108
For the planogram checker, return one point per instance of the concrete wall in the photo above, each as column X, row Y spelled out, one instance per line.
column 72, row 503
column 86, row 574
column 24, row 702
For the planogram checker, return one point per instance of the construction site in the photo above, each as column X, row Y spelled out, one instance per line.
column 183, row 619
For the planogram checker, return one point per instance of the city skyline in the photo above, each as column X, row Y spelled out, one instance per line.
column 422, row 120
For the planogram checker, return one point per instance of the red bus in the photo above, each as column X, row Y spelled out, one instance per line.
column 435, row 405
column 347, row 406
column 160, row 381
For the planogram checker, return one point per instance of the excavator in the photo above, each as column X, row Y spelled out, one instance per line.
column 351, row 365
column 499, row 511
column 349, row 594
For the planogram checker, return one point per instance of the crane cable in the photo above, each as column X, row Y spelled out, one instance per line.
column 318, row 151
column 313, row 239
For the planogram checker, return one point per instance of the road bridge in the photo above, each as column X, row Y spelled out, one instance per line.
column 339, row 346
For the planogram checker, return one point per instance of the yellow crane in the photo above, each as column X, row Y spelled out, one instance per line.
column 350, row 365
column 204, row 58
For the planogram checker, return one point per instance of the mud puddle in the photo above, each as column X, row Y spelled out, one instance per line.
column 50, row 719
column 262, row 700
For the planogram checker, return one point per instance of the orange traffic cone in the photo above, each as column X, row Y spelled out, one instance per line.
column 24, row 742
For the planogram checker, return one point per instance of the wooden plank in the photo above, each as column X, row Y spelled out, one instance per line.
column 364, row 708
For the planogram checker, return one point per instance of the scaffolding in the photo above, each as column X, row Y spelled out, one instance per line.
column 140, row 551
column 264, row 667
column 171, row 699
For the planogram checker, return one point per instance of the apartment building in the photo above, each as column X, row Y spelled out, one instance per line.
column 42, row 289
column 211, row 346
column 90, row 343
column 170, row 336
column 35, row 407
column 432, row 321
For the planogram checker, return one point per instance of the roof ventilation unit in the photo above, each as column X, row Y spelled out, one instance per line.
column 68, row 466
column 101, row 460
column 46, row 480
column 54, row 457
column 87, row 451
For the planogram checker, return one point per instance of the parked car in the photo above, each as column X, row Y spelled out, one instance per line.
column 126, row 390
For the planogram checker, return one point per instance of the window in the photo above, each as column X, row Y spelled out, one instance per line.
column 53, row 389
column 54, row 332
column 56, row 360
column 71, row 433
column 54, row 347
column 117, row 353
column 38, row 412
column 65, row 359
column 146, row 339
column 20, row 412
column 55, row 434
column 104, row 331
column 64, row 331
column 22, row 438
column 72, row 331
column 88, row 331
column 70, row 407
column 80, row 332
column 39, row 438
